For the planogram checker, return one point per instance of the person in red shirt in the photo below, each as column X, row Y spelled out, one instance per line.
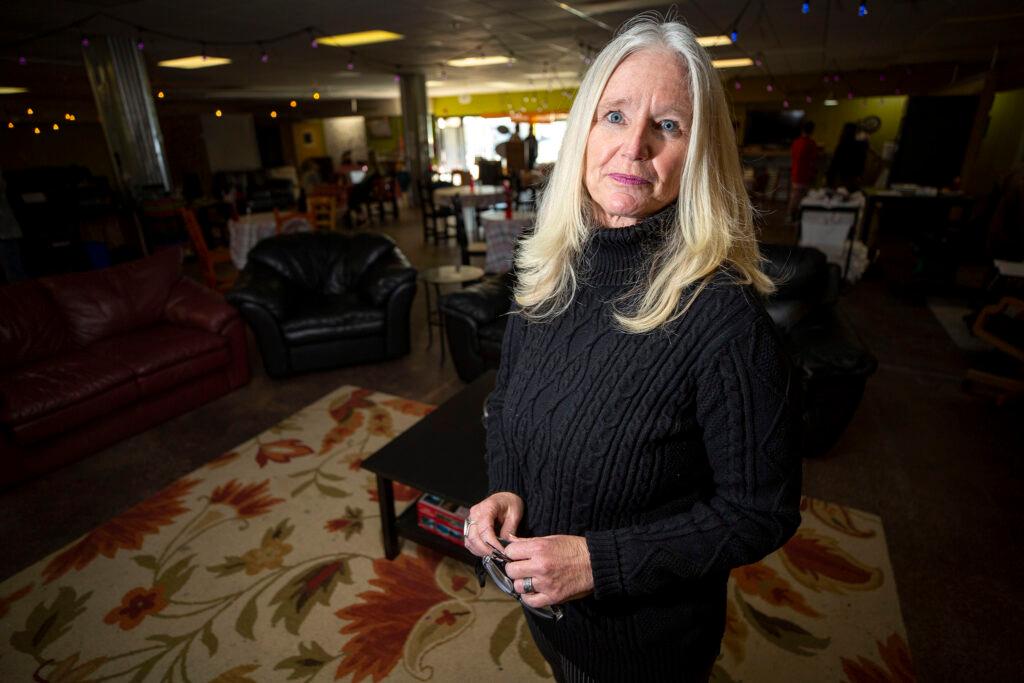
column 804, row 155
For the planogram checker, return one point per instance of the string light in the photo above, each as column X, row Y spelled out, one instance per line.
column 85, row 41
column 862, row 11
column 785, row 104
column 849, row 95
column 264, row 57
column 159, row 94
column 140, row 44
column 312, row 40
column 56, row 127
column 316, row 94
column 808, row 99
column 273, row 114
column 218, row 113
column 36, row 130
column 71, row 117
column 10, row 124
column 805, row 8
column 293, row 104
column 737, row 85
column 769, row 87
column 22, row 61
column 351, row 61
column 30, row 111
column 734, row 35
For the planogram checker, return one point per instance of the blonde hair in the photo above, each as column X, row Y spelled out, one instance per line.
column 713, row 224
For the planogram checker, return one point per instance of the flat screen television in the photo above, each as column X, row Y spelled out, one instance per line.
column 773, row 127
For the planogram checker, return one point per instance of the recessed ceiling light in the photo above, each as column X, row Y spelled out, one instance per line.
column 194, row 62
column 713, row 41
column 360, row 38
column 11, row 90
column 481, row 61
column 731, row 63
column 831, row 103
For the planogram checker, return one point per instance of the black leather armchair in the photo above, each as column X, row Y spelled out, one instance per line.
column 833, row 361
column 320, row 300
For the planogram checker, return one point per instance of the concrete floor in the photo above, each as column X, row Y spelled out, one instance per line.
column 942, row 468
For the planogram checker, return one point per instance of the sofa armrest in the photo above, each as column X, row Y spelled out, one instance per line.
column 262, row 286
column 483, row 302
column 382, row 279
column 193, row 305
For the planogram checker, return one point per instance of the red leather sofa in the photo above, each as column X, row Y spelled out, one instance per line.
column 88, row 359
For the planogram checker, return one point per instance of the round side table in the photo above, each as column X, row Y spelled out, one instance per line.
column 444, row 275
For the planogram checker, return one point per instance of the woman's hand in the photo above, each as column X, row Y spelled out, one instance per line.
column 502, row 511
column 558, row 565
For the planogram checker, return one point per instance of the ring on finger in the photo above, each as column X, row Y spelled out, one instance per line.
column 528, row 585
column 465, row 526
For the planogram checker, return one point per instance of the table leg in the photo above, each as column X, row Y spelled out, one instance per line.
column 430, row 327
column 440, row 321
column 388, row 520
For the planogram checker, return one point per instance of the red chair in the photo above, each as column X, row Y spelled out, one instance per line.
column 208, row 258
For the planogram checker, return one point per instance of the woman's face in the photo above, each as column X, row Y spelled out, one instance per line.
column 638, row 140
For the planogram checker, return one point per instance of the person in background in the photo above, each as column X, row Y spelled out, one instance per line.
column 515, row 154
column 804, row 167
column 848, row 160
column 10, row 236
column 531, row 148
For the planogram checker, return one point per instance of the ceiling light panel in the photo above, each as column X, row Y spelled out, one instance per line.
column 194, row 62
column 360, row 38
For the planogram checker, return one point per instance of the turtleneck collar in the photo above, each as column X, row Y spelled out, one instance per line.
column 615, row 256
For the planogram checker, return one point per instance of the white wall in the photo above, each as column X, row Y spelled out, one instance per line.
column 231, row 142
column 345, row 132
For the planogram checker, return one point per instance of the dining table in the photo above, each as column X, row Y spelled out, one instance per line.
column 472, row 197
column 502, row 232
column 249, row 229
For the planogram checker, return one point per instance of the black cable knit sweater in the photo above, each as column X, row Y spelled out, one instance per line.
column 675, row 453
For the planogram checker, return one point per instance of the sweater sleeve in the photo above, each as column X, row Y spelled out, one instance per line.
column 503, row 472
column 747, row 405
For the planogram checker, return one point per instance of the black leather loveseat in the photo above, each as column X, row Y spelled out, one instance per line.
column 834, row 362
column 319, row 300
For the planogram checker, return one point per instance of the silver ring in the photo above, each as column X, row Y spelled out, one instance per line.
column 528, row 585
column 465, row 526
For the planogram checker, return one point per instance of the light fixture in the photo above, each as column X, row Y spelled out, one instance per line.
column 22, row 60
column 159, row 94
column 360, row 38
column 264, row 57
column 11, row 90
column 30, row 111
column 713, row 41
column 316, row 94
column 202, row 61
column 140, row 45
column 85, row 41
column 442, row 124
column 36, row 130
column 849, row 95
column 731, row 63
column 273, row 114
column 785, row 104
column 56, row 127
column 313, row 43
column 71, row 117
column 10, row 124
column 480, row 61
column 807, row 99
column 218, row 113
column 734, row 35
column 737, row 85
column 805, row 8
column 769, row 87
column 67, row 117
column 831, row 103
column 293, row 104
column 862, row 10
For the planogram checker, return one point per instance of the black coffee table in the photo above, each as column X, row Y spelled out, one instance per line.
column 442, row 454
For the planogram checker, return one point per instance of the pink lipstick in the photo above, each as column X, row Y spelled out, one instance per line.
column 628, row 179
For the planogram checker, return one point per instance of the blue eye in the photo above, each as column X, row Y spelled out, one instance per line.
column 669, row 126
column 614, row 117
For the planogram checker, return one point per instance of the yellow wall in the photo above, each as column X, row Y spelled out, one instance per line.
column 1003, row 144
column 387, row 148
column 317, row 148
column 499, row 104
column 828, row 121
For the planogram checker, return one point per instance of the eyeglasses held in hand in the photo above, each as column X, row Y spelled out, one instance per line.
column 494, row 565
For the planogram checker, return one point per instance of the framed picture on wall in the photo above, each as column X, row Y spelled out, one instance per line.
column 378, row 127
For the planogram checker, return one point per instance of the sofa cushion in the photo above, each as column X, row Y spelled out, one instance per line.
column 333, row 316
column 31, row 325
column 59, row 393
column 101, row 303
column 164, row 355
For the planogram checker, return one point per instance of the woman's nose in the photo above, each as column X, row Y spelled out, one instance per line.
column 636, row 146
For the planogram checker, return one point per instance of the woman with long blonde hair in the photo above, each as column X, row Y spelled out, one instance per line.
column 642, row 437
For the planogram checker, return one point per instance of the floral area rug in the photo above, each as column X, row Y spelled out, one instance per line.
column 267, row 565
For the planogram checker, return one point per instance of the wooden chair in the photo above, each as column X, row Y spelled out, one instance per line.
column 1002, row 326
column 323, row 212
column 467, row 247
column 208, row 258
column 284, row 219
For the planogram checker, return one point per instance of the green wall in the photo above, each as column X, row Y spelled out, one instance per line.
column 499, row 104
column 1002, row 147
column 387, row 148
column 828, row 121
